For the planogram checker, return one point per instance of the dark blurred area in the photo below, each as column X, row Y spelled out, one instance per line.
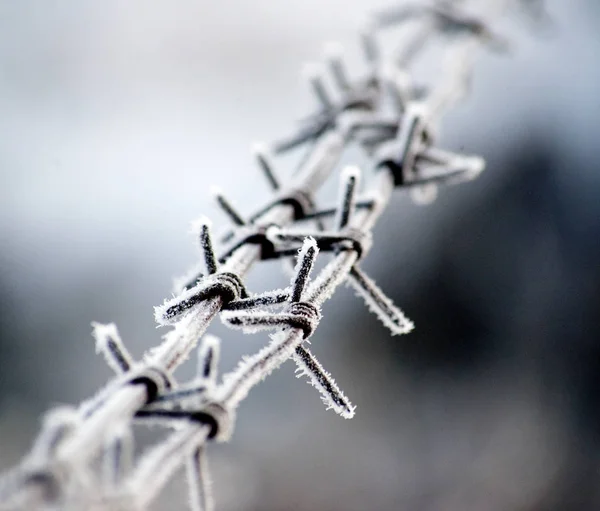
column 113, row 132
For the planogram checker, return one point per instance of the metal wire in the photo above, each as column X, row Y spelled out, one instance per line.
column 60, row 473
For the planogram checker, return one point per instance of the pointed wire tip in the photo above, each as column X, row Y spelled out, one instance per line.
column 475, row 166
column 378, row 303
column 215, row 191
column 259, row 149
column 209, row 344
column 309, row 247
column 210, row 341
column 350, row 413
column 307, row 254
column 350, row 172
column 200, row 224
column 102, row 332
column 159, row 315
column 262, row 151
column 346, row 412
column 419, row 109
column 169, row 313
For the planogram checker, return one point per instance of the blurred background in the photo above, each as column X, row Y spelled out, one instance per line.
column 116, row 118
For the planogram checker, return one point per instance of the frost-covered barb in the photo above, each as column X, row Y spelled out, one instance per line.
column 84, row 457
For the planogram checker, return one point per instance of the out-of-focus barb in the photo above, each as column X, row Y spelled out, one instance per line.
column 109, row 343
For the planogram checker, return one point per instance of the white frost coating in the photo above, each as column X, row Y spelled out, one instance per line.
column 110, row 345
column 261, row 150
column 475, row 165
column 163, row 317
column 174, row 310
column 378, row 303
column 331, row 394
column 251, row 322
column 180, row 341
column 255, row 368
column 199, row 482
column 199, row 223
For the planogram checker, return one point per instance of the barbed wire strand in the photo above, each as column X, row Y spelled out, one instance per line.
column 59, row 472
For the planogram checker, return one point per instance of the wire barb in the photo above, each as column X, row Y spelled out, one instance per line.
column 349, row 184
column 263, row 160
column 227, row 207
column 208, row 359
column 331, row 395
column 381, row 305
column 306, row 260
column 109, row 343
column 202, row 227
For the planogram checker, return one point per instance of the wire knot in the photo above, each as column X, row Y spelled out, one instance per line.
column 303, row 315
column 218, row 417
column 299, row 200
column 254, row 234
column 356, row 240
column 153, row 378
column 226, row 285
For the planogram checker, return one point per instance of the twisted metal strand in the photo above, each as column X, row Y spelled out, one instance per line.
column 58, row 471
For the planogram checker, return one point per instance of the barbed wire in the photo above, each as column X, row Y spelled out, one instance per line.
column 394, row 120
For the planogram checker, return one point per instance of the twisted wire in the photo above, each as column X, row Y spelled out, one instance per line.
column 59, row 470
